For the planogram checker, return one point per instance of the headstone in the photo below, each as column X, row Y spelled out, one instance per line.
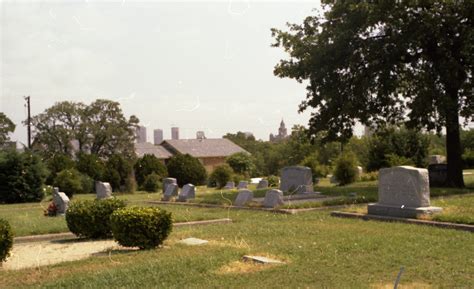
column 263, row 184
column 171, row 190
column 261, row 260
column 103, row 190
column 360, row 171
column 61, row 201
column 242, row 185
column 168, row 181
column 229, row 185
column 193, row 241
column 403, row 192
column 436, row 159
column 187, row 192
column 273, row 198
column 296, row 179
column 243, row 197
column 438, row 174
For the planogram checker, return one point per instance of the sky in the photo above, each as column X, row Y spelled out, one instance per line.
column 195, row 65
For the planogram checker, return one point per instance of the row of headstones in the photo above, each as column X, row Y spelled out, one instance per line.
column 263, row 184
column 171, row 189
column 61, row 200
column 273, row 198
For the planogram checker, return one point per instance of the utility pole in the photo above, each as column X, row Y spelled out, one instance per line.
column 28, row 122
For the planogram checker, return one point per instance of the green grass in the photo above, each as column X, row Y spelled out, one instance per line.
column 28, row 219
column 320, row 252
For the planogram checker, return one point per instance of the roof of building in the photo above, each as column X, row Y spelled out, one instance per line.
column 158, row 151
column 211, row 147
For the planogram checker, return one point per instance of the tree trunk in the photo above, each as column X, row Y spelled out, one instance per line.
column 453, row 150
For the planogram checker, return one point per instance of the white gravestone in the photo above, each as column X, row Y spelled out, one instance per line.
column 243, row 198
column 61, row 201
column 187, row 192
column 242, row 185
column 103, row 190
column 171, row 190
column 273, row 198
column 296, row 179
column 403, row 192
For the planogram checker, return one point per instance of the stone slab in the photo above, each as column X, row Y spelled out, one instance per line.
column 61, row 201
column 171, row 190
column 168, row 181
column 438, row 174
column 296, row 179
column 193, row 241
column 229, row 185
column 263, row 184
column 103, row 190
column 273, row 198
column 261, row 260
column 400, row 211
column 243, row 197
column 242, row 185
column 187, row 192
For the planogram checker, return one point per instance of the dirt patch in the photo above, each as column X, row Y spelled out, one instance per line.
column 240, row 267
column 37, row 254
column 414, row 285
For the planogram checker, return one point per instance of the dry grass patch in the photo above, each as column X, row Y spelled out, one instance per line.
column 413, row 285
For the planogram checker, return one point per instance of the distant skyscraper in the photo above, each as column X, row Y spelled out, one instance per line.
column 200, row 135
column 141, row 134
column 175, row 133
column 282, row 133
column 158, row 136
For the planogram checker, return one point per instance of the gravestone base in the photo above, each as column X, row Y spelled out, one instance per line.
column 398, row 211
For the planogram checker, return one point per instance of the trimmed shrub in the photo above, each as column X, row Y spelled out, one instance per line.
column 318, row 170
column 152, row 183
column 22, row 177
column 146, row 165
column 370, row 176
column 6, row 240
column 187, row 170
column 273, row 181
column 145, row 228
column 468, row 158
column 88, row 184
column 91, row 218
column 346, row 169
column 69, row 181
column 221, row 175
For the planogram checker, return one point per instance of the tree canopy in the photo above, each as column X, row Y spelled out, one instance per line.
column 385, row 62
column 99, row 128
column 6, row 127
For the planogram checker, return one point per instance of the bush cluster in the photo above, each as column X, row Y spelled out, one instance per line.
column 273, row 181
column 152, row 183
column 187, row 170
column 346, row 169
column 22, row 177
column 6, row 240
column 370, row 176
column 221, row 175
column 91, row 218
column 147, row 165
column 145, row 228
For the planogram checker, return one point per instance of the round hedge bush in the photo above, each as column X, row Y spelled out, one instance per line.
column 346, row 169
column 91, row 218
column 142, row 227
column 6, row 239
column 221, row 175
column 187, row 170
column 152, row 183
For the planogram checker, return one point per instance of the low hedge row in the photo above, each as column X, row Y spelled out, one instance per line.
column 91, row 218
column 143, row 227
column 6, row 239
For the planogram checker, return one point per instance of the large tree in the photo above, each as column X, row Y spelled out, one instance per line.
column 385, row 61
column 99, row 128
column 6, row 127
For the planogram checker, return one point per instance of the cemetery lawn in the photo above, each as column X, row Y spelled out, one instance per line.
column 456, row 209
column 320, row 251
column 28, row 219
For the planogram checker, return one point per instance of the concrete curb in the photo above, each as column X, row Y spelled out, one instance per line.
column 69, row 235
column 366, row 217
column 280, row 211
